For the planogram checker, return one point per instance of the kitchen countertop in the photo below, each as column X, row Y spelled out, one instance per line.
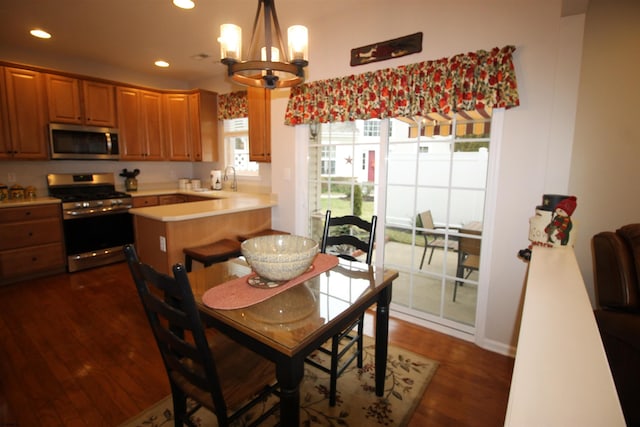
column 221, row 203
column 29, row 202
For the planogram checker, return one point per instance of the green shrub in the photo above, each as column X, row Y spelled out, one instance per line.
column 357, row 200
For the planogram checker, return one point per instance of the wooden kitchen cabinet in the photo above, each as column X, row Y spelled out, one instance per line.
column 83, row 102
column 163, row 199
column 259, row 102
column 191, row 126
column 140, row 124
column 31, row 242
column 183, row 142
column 170, row 199
column 25, row 120
column 4, row 117
column 144, row 201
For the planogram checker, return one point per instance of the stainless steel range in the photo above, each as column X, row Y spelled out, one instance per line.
column 96, row 219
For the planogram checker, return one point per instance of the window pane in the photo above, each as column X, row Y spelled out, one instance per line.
column 236, row 146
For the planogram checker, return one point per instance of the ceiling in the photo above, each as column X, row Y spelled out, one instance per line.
column 133, row 34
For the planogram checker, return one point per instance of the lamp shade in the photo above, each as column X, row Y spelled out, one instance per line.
column 298, row 40
column 230, row 42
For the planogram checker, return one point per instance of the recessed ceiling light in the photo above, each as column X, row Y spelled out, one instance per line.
column 162, row 64
column 41, row 34
column 184, row 4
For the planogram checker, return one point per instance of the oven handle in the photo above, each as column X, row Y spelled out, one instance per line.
column 104, row 210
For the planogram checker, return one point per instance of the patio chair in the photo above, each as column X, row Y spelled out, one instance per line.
column 468, row 260
column 432, row 240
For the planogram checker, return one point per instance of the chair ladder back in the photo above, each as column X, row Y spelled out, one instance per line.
column 368, row 227
column 187, row 363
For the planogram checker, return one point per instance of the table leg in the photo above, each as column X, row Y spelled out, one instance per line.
column 289, row 374
column 382, row 338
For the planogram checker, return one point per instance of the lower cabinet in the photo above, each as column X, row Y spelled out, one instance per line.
column 163, row 199
column 144, row 201
column 170, row 199
column 31, row 242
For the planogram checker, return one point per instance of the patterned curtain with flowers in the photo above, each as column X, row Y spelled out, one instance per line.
column 475, row 81
column 233, row 105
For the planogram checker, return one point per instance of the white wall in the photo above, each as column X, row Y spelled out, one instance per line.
column 604, row 164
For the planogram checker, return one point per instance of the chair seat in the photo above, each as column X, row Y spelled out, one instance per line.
column 212, row 253
column 266, row 232
column 471, row 262
column 241, row 372
column 441, row 243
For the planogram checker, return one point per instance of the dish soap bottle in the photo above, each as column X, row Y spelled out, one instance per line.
column 216, row 180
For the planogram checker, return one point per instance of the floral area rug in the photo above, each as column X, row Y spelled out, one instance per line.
column 408, row 376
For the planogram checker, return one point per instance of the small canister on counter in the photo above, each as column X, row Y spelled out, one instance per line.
column 16, row 192
column 30, row 192
column 4, row 193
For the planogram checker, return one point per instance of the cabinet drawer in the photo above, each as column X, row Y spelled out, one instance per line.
column 144, row 201
column 170, row 199
column 27, row 261
column 31, row 212
column 28, row 233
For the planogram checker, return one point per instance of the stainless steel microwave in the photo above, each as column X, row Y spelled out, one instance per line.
column 75, row 142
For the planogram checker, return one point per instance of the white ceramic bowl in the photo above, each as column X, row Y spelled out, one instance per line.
column 279, row 257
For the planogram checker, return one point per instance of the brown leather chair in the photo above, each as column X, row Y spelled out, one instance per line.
column 616, row 267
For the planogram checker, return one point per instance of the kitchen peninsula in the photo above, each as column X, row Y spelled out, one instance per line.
column 162, row 231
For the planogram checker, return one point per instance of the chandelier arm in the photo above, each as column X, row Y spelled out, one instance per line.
column 255, row 25
column 283, row 54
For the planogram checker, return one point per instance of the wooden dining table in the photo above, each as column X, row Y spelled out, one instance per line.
column 288, row 327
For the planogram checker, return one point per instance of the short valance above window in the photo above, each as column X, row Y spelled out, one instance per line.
column 233, row 105
column 477, row 81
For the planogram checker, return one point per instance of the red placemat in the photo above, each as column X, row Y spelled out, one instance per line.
column 238, row 293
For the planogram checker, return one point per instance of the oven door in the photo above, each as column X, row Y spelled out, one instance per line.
column 97, row 239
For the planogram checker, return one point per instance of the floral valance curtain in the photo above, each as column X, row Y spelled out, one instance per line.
column 233, row 105
column 475, row 81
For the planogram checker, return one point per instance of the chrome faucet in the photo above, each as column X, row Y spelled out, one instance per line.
column 234, row 184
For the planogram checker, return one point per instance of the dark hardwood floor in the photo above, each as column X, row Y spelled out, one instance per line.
column 76, row 350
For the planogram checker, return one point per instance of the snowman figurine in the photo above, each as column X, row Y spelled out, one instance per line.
column 551, row 226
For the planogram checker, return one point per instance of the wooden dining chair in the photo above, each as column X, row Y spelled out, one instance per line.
column 218, row 374
column 433, row 241
column 339, row 234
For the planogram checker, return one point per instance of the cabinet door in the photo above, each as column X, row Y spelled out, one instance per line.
column 208, row 126
column 151, row 106
column 5, row 146
column 178, row 126
column 63, row 98
column 144, row 201
column 129, row 118
column 27, row 114
column 140, row 124
column 171, row 199
column 99, row 103
column 259, row 101
column 195, row 122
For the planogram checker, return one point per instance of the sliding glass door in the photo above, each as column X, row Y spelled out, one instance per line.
column 431, row 178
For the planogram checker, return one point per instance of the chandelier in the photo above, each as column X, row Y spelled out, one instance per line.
column 268, row 64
